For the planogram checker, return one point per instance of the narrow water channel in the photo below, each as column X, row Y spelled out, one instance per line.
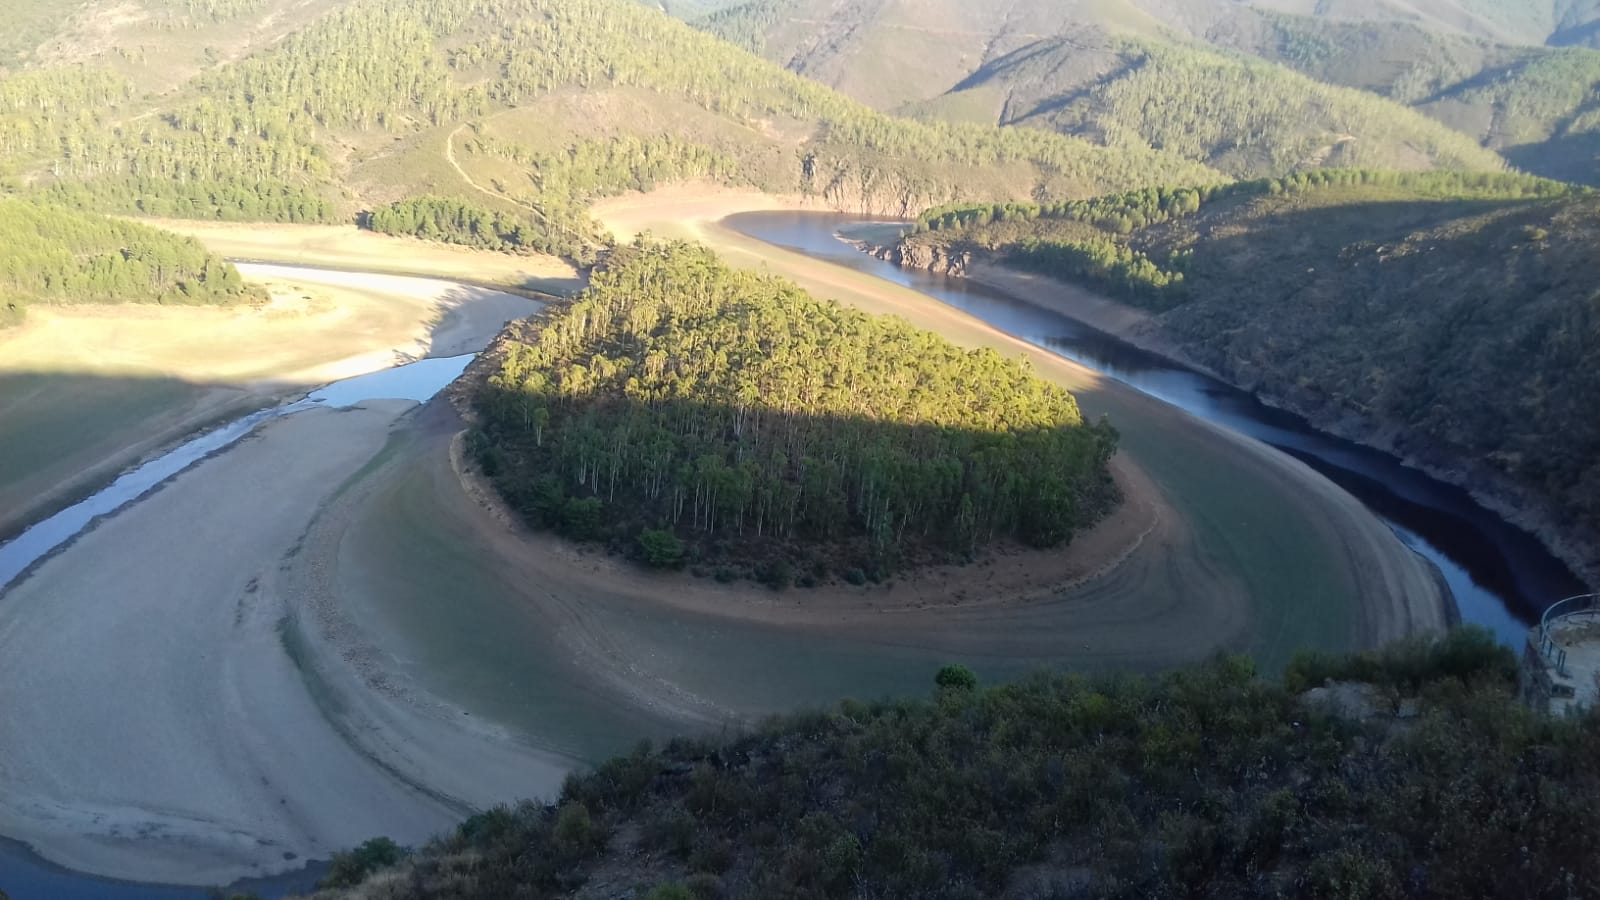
column 23, row 874
column 417, row 381
column 1501, row 576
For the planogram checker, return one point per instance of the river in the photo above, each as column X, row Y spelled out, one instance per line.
column 1501, row 577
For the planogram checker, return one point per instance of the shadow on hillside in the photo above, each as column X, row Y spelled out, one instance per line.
column 1574, row 158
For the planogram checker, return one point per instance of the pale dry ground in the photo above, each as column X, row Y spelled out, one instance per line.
column 349, row 247
column 1318, row 568
column 86, row 391
column 176, row 710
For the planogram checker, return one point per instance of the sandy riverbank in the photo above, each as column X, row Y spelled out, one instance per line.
column 182, row 705
column 689, row 206
column 351, row 248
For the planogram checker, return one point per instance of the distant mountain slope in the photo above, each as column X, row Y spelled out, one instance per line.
column 1453, row 60
column 1537, row 106
column 1245, row 117
column 1454, row 319
column 380, row 100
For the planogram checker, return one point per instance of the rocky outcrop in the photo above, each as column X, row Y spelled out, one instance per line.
column 918, row 255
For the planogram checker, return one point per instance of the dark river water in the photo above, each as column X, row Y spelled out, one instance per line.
column 1501, row 576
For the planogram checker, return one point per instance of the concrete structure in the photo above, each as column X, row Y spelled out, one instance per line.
column 1561, row 663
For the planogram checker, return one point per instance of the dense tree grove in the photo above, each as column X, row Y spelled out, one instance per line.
column 1208, row 782
column 1122, row 213
column 1464, row 331
column 456, row 222
column 54, row 255
column 756, row 423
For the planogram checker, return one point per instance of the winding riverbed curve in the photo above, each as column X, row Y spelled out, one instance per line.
column 321, row 634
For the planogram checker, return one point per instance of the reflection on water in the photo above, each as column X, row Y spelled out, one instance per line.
column 1501, row 576
column 417, row 381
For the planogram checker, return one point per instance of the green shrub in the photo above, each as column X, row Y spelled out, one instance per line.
column 348, row 869
column 576, row 834
column 777, row 575
column 662, row 549
column 956, row 677
column 580, row 518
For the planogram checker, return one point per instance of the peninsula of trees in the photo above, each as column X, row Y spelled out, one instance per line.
column 687, row 412
column 1450, row 317
column 60, row 256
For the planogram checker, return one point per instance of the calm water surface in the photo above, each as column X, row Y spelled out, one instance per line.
column 1501, row 576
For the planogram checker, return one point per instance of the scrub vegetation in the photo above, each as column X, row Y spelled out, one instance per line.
column 684, row 411
column 1209, row 781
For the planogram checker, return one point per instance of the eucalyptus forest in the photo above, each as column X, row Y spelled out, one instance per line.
column 756, row 424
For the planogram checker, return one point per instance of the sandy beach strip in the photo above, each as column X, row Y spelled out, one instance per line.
column 86, row 392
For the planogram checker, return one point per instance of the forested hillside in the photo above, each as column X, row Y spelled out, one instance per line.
column 1244, row 117
column 380, row 101
column 686, row 412
column 54, row 255
column 1453, row 318
column 1206, row 782
column 1480, row 69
